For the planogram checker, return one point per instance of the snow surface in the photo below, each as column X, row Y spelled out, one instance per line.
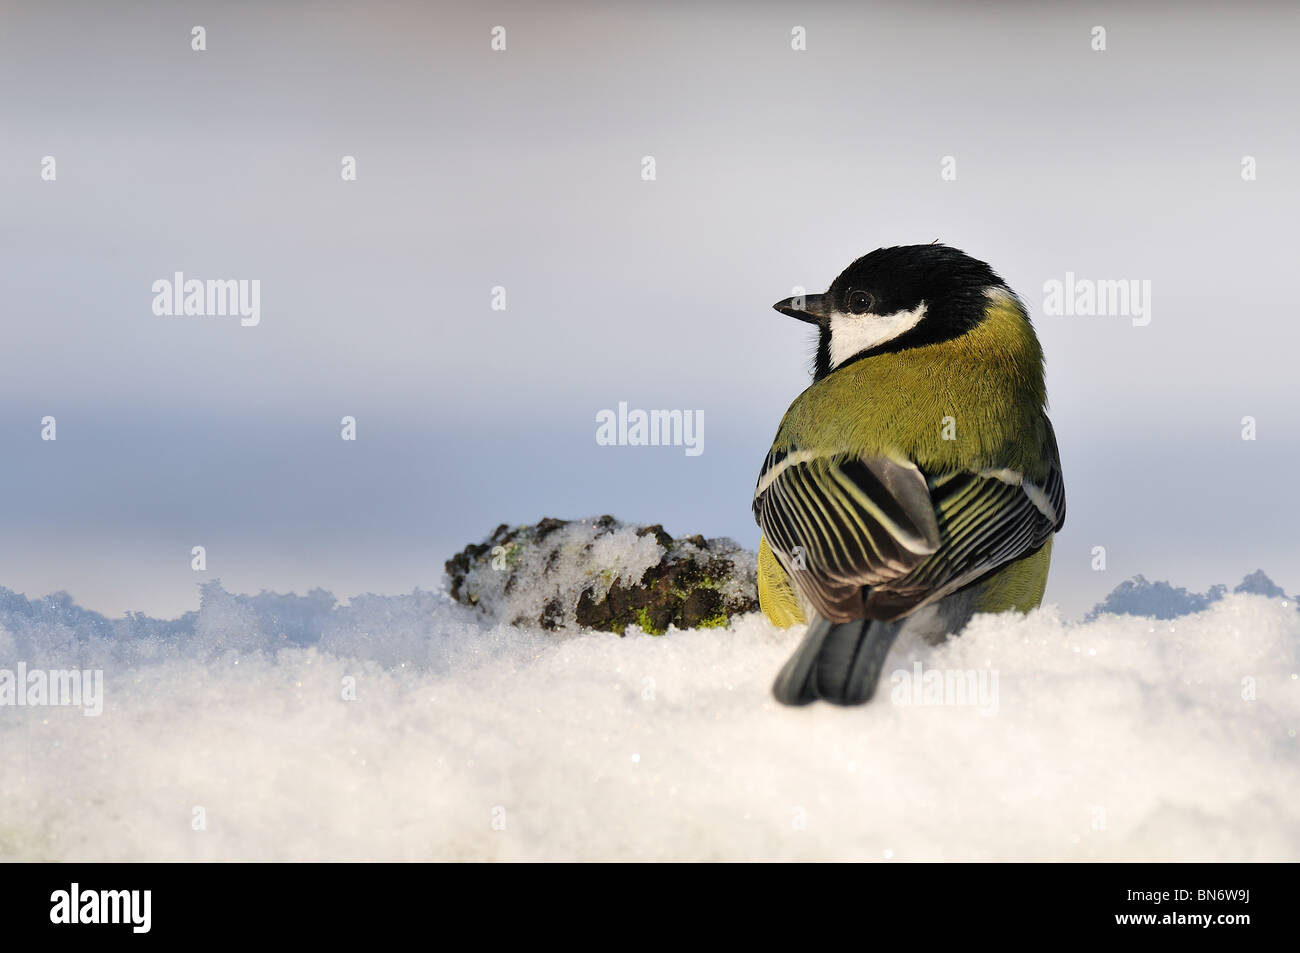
column 1118, row 738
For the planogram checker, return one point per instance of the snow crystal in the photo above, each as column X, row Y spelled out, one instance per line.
column 406, row 727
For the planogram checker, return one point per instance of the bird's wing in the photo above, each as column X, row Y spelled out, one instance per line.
column 987, row 520
column 839, row 523
column 876, row 538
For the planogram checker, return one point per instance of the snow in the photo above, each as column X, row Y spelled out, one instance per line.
column 561, row 562
column 1123, row 737
column 574, row 557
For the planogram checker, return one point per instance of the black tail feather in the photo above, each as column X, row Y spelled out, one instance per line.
column 839, row 662
column 797, row 682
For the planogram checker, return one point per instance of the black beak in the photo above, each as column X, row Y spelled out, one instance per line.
column 810, row 308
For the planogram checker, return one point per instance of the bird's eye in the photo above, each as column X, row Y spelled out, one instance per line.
column 860, row 302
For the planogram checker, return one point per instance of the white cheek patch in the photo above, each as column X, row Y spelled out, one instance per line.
column 851, row 334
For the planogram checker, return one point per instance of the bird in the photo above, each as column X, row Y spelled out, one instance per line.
column 917, row 480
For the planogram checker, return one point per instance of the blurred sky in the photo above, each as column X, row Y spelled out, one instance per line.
column 523, row 169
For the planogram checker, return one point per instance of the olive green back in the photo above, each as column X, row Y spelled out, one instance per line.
column 984, row 390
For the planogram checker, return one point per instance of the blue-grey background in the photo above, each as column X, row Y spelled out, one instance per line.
column 522, row 169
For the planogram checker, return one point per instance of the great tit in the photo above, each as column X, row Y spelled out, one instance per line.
column 917, row 481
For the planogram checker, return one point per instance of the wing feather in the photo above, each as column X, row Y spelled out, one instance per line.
column 878, row 538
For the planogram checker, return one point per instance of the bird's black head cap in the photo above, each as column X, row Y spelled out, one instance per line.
column 896, row 298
